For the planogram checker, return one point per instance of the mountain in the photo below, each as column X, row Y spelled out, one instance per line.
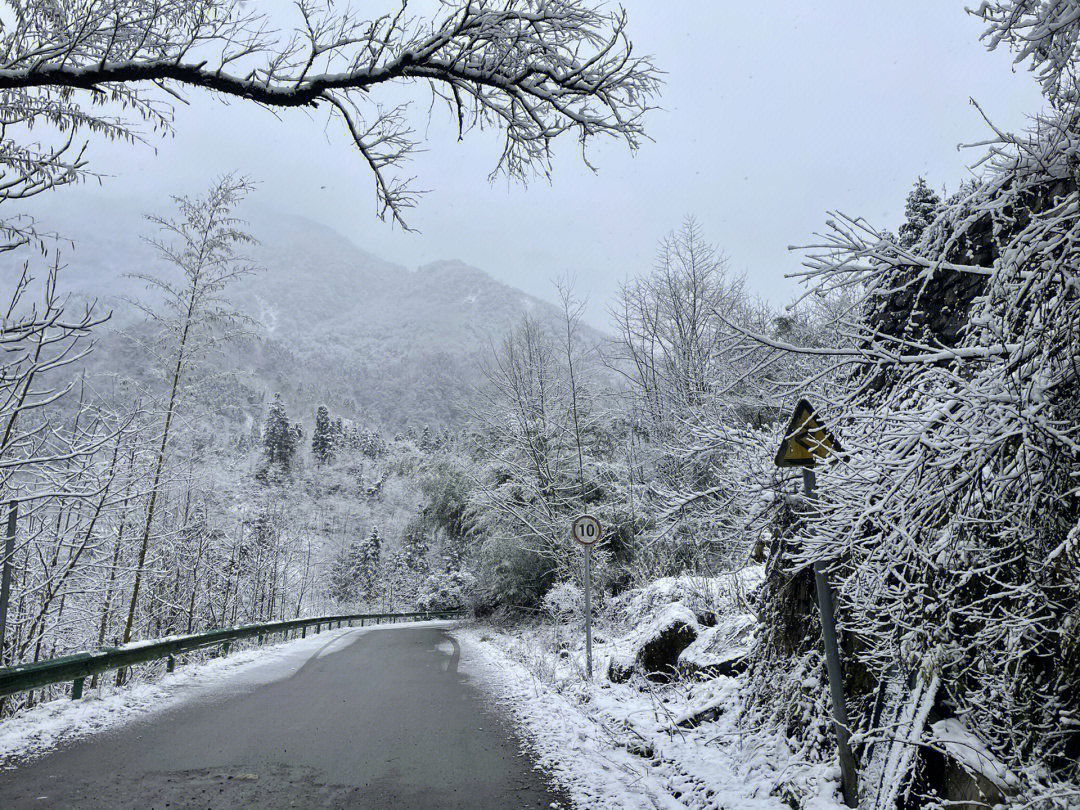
column 335, row 324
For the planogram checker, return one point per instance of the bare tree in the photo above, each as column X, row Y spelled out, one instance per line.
column 534, row 68
column 36, row 344
column 202, row 244
column 671, row 326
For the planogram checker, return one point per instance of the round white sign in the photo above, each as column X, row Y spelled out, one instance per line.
column 586, row 530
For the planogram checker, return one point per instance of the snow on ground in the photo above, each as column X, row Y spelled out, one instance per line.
column 35, row 731
column 620, row 746
column 642, row 744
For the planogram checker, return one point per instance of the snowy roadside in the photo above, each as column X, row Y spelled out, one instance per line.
column 33, row 732
column 631, row 745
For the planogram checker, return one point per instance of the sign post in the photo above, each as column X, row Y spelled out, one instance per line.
column 586, row 530
column 805, row 442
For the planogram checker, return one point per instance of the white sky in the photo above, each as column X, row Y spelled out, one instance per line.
column 773, row 113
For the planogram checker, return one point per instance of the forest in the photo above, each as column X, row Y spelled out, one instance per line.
column 150, row 489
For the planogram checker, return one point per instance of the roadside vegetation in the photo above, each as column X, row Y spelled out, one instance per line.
column 163, row 496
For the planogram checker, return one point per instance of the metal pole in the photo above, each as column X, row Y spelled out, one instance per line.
column 588, row 612
column 5, row 578
column 849, row 778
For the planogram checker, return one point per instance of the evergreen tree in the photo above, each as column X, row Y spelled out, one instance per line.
column 322, row 438
column 367, row 565
column 371, row 444
column 279, row 438
column 414, row 548
column 922, row 206
column 341, row 576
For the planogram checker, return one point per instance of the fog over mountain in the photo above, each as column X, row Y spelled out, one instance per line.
column 334, row 324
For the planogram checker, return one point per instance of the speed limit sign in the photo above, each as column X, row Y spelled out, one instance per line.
column 586, row 530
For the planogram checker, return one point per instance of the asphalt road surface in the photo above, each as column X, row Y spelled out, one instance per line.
column 376, row 719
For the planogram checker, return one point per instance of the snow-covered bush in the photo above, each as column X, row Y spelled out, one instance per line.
column 448, row 591
column 564, row 601
column 706, row 596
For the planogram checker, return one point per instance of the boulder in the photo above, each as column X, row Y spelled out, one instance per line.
column 660, row 643
column 619, row 669
column 722, row 649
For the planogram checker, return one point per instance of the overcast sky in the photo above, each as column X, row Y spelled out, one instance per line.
column 773, row 113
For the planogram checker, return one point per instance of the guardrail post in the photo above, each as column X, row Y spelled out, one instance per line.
column 303, row 632
column 318, row 628
column 76, row 689
column 170, row 664
column 225, row 648
column 260, row 639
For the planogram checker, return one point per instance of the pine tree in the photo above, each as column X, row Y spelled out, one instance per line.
column 367, row 573
column 322, row 438
column 922, row 206
column 372, row 444
column 414, row 548
column 279, row 438
column 341, row 577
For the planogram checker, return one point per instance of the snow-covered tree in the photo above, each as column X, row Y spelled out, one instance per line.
column 950, row 524
column 323, row 437
column 368, row 566
column 342, row 574
column 415, row 548
column 279, row 436
column 203, row 245
column 922, row 206
column 535, row 69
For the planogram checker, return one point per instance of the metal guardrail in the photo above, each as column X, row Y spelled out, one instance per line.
column 79, row 666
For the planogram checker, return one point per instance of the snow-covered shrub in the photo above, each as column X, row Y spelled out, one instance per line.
column 707, row 596
column 564, row 601
column 448, row 591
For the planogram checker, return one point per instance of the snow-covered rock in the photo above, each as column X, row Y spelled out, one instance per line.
column 721, row 649
column 655, row 646
column 706, row 596
column 687, row 624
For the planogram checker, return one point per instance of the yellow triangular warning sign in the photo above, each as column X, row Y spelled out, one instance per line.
column 806, row 440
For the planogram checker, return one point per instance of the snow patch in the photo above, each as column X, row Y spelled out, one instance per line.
column 962, row 745
column 614, row 747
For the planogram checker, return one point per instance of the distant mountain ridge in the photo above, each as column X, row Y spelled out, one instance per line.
column 338, row 325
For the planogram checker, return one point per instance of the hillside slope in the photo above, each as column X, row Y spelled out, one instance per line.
column 335, row 324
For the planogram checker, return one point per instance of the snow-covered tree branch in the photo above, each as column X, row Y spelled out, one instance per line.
column 537, row 69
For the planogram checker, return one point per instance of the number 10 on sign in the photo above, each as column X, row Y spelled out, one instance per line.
column 586, row 530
